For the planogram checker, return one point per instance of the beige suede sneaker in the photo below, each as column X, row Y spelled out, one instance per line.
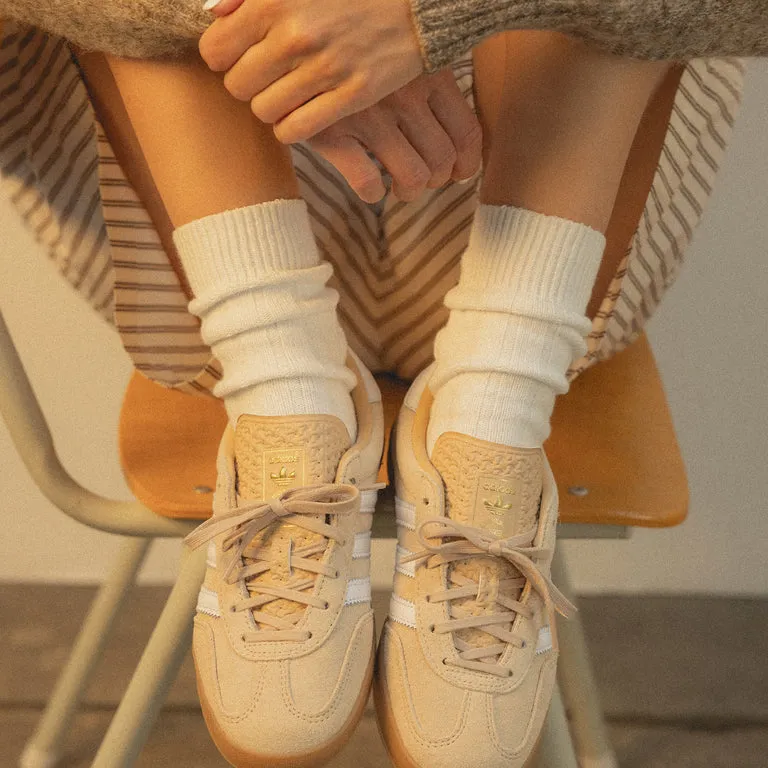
column 284, row 635
column 467, row 659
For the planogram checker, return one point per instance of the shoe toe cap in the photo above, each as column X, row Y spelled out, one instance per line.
column 281, row 707
column 436, row 723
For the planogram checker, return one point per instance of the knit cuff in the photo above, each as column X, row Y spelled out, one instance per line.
column 518, row 256
column 448, row 29
column 245, row 245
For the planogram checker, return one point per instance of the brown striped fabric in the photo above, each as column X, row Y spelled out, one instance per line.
column 393, row 261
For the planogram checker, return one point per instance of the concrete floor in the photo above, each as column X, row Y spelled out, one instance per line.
column 684, row 681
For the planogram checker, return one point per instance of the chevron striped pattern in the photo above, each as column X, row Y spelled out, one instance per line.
column 393, row 261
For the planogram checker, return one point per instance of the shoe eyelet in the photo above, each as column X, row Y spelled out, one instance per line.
column 353, row 481
column 428, row 598
column 326, row 605
column 309, row 636
column 444, row 662
column 425, row 501
column 525, row 644
column 232, row 609
column 432, row 628
column 242, row 638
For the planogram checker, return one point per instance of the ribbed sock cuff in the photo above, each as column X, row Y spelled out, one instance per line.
column 519, row 255
column 242, row 246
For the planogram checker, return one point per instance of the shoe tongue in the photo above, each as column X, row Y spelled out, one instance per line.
column 272, row 455
column 276, row 453
column 490, row 486
column 497, row 488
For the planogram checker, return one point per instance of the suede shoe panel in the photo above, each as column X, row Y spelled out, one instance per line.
column 284, row 633
column 316, row 682
column 467, row 660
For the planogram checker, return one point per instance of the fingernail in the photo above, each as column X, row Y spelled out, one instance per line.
column 209, row 5
column 472, row 178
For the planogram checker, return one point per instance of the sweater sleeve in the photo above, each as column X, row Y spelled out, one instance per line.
column 645, row 29
column 130, row 28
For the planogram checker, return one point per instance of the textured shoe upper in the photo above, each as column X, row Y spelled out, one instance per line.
column 284, row 628
column 467, row 657
column 493, row 496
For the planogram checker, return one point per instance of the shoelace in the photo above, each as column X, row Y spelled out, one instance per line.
column 299, row 507
column 466, row 542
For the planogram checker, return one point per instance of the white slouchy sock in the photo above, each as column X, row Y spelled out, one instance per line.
column 265, row 310
column 517, row 322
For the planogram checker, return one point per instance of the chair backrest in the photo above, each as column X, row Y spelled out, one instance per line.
column 613, row 448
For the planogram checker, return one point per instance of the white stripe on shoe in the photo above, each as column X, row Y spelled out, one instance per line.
column 210, row 558
column 368, row 502
column 544, row 642
column 406, row 514
column 208, row 603
column 402, row 611
column 407, row 569
column 358, row 591
column 362, row 546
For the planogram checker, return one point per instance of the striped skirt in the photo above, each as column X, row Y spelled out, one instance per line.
column 393, row 261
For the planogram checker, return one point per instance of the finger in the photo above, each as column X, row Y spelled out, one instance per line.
column 293, row 90
column 410, row 174
column 229, row 37
column 222, row 7
column 352, row 161
column 462, row 126
column 428, row 137
column 322, row 112
column 254, row 72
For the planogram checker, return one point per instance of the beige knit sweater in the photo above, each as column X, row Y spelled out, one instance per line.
column 674, row 29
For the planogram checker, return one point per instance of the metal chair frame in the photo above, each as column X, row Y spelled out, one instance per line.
column 583, row 744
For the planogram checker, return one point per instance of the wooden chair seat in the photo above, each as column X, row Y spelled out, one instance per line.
column 612, row 435
column 613, row 448
column 168, row 443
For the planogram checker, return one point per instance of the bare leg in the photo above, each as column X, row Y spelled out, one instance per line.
column 561, row 129
column 561, row 133
column 205, row 167
column 559, row 123
column 202, row 161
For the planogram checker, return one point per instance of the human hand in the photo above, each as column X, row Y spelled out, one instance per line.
column 306, row 64
column 424, row 134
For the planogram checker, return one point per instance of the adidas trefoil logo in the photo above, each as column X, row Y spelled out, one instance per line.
column 283, row 477
column 497, row 503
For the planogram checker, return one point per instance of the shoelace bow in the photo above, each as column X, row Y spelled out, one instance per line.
column 466, row 542
column 299, row 507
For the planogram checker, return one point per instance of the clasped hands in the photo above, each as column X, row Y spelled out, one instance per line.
column 347, row 76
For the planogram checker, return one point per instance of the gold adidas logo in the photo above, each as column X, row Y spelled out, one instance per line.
column 498, row 503
column 283, row 477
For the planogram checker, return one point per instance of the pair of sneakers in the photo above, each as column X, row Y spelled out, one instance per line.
column 284, row 638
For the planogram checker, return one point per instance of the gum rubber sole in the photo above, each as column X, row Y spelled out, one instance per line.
column 398, row 754
column 241, row 759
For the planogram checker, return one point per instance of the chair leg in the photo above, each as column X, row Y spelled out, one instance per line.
column 590, row 736
column 44, row 749
column 156, row 671
column 556, row 748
